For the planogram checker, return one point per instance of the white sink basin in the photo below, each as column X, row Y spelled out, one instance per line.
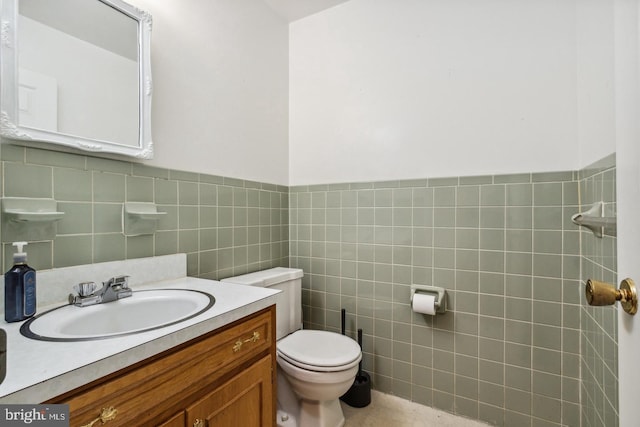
column 143, row 311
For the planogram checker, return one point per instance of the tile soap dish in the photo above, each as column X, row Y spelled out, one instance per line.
column 140, row 218
column 29, row 219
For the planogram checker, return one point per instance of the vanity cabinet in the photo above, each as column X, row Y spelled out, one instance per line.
column 224, row 378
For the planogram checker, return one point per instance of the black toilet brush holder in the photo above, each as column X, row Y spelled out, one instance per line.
column 359, row 395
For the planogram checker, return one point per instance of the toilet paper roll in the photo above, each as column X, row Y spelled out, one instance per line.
column 424, row 303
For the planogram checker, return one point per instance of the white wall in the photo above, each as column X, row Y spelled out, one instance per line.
column 595, row 80
column 381, row 90
column 412, row 88
column 220, row 88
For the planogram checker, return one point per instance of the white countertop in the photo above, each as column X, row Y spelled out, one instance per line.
column 41, row 370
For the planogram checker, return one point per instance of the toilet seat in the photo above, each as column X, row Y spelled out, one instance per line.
column 319, row 351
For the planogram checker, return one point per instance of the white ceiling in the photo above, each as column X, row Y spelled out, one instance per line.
column 292, row 10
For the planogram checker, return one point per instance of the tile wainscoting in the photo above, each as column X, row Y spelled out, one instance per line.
column 508, row 350
column 225, row 226
column 599, row 325
column 518, row 345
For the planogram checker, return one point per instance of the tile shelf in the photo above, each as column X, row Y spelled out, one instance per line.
column 24, row 216
column 29, row 219
column 140, row 218
column 595, row 220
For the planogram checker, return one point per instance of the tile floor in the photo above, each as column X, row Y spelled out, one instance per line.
column 386, row 411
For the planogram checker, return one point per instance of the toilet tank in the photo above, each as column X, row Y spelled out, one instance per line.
column 288, row 302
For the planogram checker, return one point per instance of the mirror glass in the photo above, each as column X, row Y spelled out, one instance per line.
column 79, row 74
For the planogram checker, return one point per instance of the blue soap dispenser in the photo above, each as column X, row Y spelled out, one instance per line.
column 19, row 288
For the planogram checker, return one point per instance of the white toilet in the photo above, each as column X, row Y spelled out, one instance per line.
column 315, row 368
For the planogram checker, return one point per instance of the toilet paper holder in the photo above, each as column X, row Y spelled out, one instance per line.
column 437, row 291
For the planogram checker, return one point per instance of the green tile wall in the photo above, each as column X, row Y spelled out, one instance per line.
column 226, row 226
column 599, row 338
column 518, row 346
column 508, row 350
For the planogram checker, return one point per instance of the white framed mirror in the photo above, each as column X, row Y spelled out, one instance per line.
column 77, row 74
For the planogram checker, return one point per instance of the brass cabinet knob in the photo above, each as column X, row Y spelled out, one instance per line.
column 601, row 293
column 107, row 414
column 254, row 338
column 199, row 423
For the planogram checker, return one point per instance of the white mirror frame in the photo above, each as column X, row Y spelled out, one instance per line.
column 9, row 126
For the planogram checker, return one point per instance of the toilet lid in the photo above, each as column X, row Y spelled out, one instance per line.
column 319, row 349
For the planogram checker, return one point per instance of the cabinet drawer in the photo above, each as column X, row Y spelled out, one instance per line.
column 154, row 390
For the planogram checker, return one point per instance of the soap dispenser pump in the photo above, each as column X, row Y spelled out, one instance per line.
column 19, row 288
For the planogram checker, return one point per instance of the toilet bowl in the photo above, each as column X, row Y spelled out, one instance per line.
column 315, row 368
column 320, row 367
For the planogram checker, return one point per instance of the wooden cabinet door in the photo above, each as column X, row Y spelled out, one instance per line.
column 245, row 400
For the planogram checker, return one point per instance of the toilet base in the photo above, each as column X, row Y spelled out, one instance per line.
column 284, row 419
column 321, row 414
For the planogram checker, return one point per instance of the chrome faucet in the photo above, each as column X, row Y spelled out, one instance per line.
column 87, row 293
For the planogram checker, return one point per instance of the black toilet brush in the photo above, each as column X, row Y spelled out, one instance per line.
column 359, row 395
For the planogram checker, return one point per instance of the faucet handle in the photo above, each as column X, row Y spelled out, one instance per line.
column 85, row 289
column 118, row 282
